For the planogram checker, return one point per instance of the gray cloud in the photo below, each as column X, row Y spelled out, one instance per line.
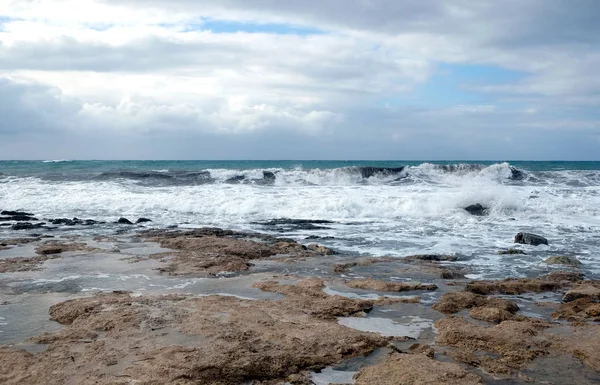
column 166, row 93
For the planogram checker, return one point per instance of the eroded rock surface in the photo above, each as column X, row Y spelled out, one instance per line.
column 378, row 285
column 413, row 369
column 119, row 339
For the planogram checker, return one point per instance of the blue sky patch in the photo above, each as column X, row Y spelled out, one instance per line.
column 221, row 26
column 454, row 84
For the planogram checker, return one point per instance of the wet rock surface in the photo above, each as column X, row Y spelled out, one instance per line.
column 115, row 338
column 477, row 209
column 415, row 369
column 486, row 331
column 563, row 260
column 378, row 285
column 530, row 239
column 211, row 251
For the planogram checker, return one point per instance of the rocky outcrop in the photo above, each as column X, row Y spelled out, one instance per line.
column 415, row 369
column 27, row 226
column 563, row 260
column 228, row 340
column 431, row 257
column 378, row 285
column 73, row 222
column 124, row 221
column 143, row 220
column 530, row 239
column 321, row 249
column 588, row 290
column 454, row 302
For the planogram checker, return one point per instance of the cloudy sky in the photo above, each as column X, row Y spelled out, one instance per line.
column 300, row 79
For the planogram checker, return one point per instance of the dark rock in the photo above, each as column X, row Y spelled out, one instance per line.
column 26, row 226
column 318, row 237
column 511, row 252
column 124, row 221
column 268, row 175
column 73, row 222
column 18, row 218
column 15, row 213
column 431, row 258
column 288, row 224
column 143, row 220
column 530, row 239
column 477, row 209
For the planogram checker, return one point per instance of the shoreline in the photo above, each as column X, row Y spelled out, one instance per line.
column 241, row 307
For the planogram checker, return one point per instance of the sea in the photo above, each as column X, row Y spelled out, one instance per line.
column 371, row 208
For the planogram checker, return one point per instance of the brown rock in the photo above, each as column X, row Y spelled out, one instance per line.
column 431, row 258
column 456, row 301
column 321, row 249
column 491, row 314
column 578, row 310
column 589, row 290
column 514, row 286
column 377, row 285
column 517, row 342
column 176, row 339
column 415, row 369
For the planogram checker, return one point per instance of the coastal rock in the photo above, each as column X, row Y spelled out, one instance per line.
column 454, row 302
column 511, row 252
column 378, row 285
column 18, row 218
column 415, row 369
column 515, row 286
column 589, row 290
column 124, row 221
column 228, row 340
column 49, row 249
column 73, row 222
column 563, row 260
column 579, row 310
column 143, row 220
column 15, row 213
column 477, row 209
column 508, row 346
column 26, row 226
column 321, row 249
column 530, row 239
column 431, row 258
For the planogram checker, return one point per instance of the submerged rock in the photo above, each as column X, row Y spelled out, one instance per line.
column 268, row 175
column 143, row 220
column 511, row 252
column 26, row 226
column 477, row 209
column 15, row 213
column 124, row 221
column 431, row 257
column 563, row 260
column 530, row 239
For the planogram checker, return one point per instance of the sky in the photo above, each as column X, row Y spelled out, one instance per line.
column 300, row 79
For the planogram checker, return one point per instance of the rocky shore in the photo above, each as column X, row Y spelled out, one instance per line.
column 230, row 307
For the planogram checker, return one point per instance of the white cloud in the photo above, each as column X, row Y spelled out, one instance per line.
column 134, row 68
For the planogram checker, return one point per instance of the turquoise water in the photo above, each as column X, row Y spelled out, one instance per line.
column 34, row 168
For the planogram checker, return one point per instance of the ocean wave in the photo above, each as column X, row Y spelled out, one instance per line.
column 56, row 161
